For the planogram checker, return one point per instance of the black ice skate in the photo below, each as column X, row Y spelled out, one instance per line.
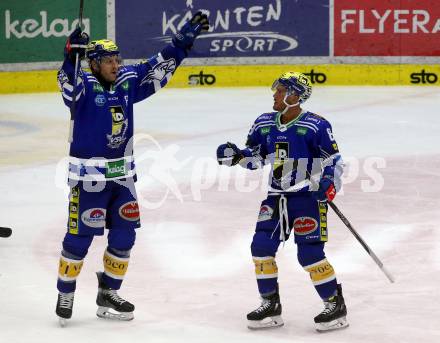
column 334, row 314
column 64, row 307
column 108, row 299
column 268, row 315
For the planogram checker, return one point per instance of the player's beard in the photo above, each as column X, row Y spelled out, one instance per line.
column 279, row 107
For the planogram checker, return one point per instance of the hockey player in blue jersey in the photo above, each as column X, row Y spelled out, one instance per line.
column 298, row 144
column 101, row 169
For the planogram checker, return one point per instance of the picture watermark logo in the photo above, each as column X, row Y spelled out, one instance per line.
column 161, row 169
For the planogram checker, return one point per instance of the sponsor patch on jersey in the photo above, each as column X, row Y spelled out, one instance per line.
column 73, row 226
column 304, row 225
column 100, row 100
column 265, row 130
column 73, row 210
column 323, row 221
column 301, row 131
column 115, row 169
column 74, row 194
column 97, row 88
column 266, row 213
column 335, row 147
column 125, row 85
column 94, row 217
column 130, row 211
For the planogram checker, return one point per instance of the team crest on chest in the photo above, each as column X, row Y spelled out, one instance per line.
column 119, row 128
column 281, row 156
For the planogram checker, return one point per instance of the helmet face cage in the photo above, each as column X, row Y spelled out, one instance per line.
column 100, row 48
column 102, row 58
column 295, row 84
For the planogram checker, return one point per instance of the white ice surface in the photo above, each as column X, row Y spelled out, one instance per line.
column 191, row 274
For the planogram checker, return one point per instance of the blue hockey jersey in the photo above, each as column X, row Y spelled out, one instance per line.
column 305, row 146
column 103, row 128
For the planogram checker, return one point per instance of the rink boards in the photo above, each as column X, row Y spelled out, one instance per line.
column 255, row 75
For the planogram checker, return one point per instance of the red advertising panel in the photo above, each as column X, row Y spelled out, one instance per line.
column 387, row 28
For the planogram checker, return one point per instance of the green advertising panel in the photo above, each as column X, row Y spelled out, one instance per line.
column 36, row 31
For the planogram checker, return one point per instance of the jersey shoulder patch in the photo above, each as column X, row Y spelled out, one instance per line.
column 311, row 121
column 90, row 77
column 124, row 71
column 125, row 74
column 263, row 123
column 266, row 117
column 314, row 118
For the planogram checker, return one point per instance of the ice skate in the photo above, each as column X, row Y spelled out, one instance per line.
column 64, row 307
column 268, row 315
column 333, row 316
column 111, row 305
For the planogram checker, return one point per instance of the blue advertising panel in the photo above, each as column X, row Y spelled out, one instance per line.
column 240, row 28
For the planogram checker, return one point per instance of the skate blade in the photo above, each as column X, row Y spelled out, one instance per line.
column 336, row 324
column 62, row 322
column 266, row 323
column 107, row 313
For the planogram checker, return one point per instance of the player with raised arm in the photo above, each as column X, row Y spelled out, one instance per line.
column 101, row 168
column 296, row 143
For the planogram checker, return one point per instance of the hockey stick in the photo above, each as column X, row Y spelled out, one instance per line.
column 361, row 241
column 5, row 232
column 75, row 77
column 355, row 234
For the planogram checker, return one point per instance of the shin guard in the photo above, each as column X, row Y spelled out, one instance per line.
column 68, row 271
column 115, row 267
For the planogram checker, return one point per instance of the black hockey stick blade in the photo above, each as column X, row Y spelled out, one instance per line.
column 5, row 232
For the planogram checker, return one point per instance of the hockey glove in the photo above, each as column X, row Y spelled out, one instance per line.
column 229, row 154
column 188, row 33
column 326, row 191
column 76, row 43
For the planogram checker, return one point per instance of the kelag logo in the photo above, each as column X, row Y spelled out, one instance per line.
column 424, row 77
column 42, row 27
column 201, row 79
column 31, row 27
column 238, row 28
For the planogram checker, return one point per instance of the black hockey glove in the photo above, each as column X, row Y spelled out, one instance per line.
column 326, row 191
column 188, row 33
column 229, row 154
column 5, row 232
column 76, row 43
